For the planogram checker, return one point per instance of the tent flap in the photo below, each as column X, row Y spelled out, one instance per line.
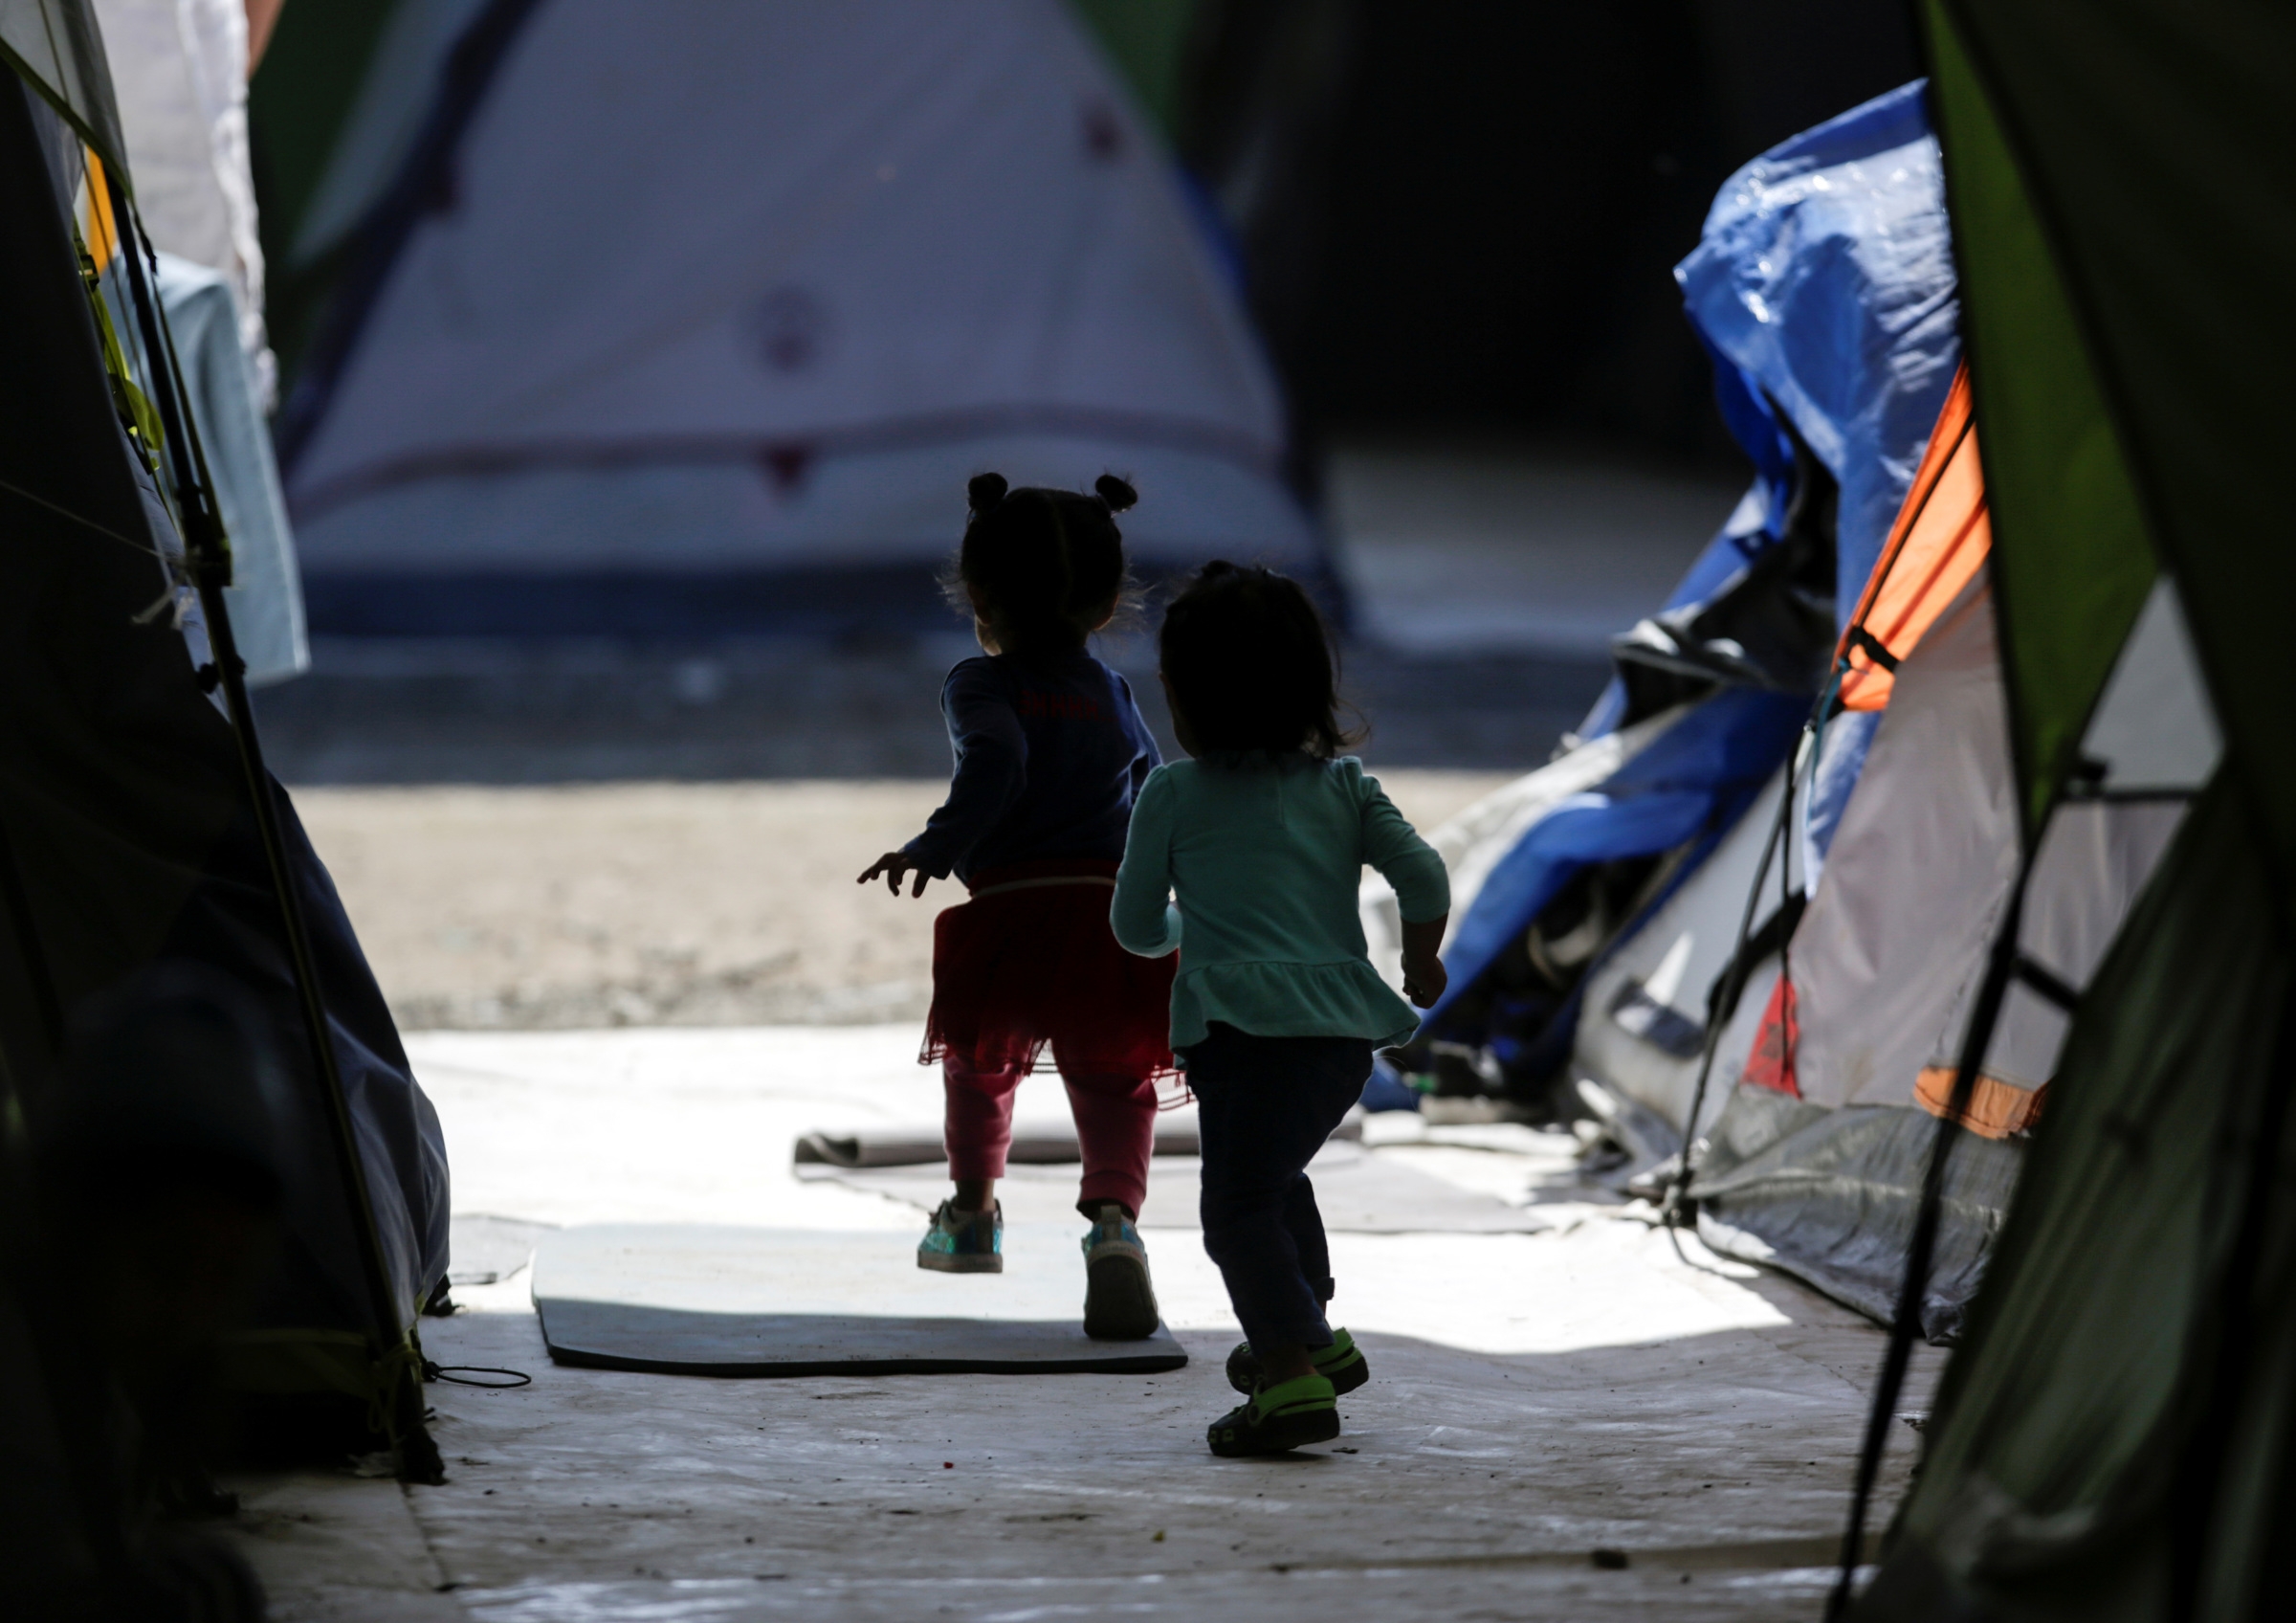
column 2147, row 145
column 2073, row 565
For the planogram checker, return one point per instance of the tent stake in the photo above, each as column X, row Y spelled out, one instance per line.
column 398, row 1366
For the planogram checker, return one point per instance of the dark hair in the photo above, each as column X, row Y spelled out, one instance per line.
column 1047, row 563
column 1251, row 664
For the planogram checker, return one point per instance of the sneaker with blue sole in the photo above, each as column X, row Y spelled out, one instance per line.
column 963, row 1242
column 1119, row 1304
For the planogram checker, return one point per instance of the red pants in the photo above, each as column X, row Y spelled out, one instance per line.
column 1116, row 1127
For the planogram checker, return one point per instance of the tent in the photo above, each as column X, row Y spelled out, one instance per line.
column 135, row 822
column 179, row 77
column 1815, row 1045
column 1815, row 1163
column 702, row 323
column 2111, row 1439
column 1823, row 286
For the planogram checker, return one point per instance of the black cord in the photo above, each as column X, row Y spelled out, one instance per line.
column 452, row 1374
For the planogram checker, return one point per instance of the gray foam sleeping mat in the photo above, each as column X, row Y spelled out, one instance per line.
column 700, row 1300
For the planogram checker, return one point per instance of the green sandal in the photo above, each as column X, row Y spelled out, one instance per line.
column 1283, row 1417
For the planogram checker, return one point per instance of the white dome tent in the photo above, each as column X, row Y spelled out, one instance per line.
column 702, row 314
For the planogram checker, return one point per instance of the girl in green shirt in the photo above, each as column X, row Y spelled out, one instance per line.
column 1247, row 859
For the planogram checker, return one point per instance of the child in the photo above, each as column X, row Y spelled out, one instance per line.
column 1051, row 751
column 1276, row 1010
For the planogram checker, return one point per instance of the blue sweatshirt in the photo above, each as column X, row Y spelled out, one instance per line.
column 1051, row 751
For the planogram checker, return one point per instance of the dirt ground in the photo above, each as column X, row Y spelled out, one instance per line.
column 647, row 904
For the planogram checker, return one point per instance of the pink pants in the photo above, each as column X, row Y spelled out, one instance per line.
column 1116, row 1127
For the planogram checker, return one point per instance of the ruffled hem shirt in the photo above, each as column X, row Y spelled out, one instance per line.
column 1250, row 866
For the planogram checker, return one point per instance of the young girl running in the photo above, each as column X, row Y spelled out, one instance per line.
column 1050, row 752
column 1276, row 1010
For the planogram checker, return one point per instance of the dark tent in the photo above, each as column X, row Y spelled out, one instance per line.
column 2113, row 1438
column 130, row 828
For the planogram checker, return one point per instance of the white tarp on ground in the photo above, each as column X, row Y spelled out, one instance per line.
column 179, row 72
column 1888, row 958
column 760, row 286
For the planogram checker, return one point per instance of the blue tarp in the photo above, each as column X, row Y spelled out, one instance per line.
column 1825, row 279
column 1823, row 286
column 1824, row 282
column 1692, row 782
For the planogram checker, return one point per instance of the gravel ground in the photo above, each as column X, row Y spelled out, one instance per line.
column 657, row 903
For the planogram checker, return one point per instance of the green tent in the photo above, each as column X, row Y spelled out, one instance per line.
column 137, row 824
column 2113, row 1437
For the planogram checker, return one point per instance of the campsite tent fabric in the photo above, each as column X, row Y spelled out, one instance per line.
column 1824, row 280
column 1940, row 541
column 1685, row 788
column 2111, row 1442
column 1861, row 1034
column 58, row 50
column 1928, row 850
column 179, row 77
column 1643, row 1031
column 1824, row 275
column 1824, row 285
column 687, row 313
column 397, row 84
column 1815, row 1163
column 126, row 834
column 1823, row 288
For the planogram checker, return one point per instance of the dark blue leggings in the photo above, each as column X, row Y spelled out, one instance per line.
column 1264, row 1106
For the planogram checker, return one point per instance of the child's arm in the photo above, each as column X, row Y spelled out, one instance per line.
column 1422, row 892
column 1424, row 977
column 1141, row 912
column 992, row 768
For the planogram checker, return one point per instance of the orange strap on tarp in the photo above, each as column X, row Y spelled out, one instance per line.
column 1939, row 541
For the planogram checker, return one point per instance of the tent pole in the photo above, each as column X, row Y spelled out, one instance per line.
column 2001, row 968
column 399, row 1365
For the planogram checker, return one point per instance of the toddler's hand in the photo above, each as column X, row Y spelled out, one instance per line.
column 893, row 864
column 1424, row 980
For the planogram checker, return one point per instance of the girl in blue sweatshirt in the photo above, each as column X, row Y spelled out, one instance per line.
column 1051, row 751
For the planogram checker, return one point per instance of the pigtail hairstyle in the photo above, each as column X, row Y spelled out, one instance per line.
column 1045, row 567
column 1251, row 666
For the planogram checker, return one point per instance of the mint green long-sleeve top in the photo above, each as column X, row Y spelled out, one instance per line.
column 1250, row 867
